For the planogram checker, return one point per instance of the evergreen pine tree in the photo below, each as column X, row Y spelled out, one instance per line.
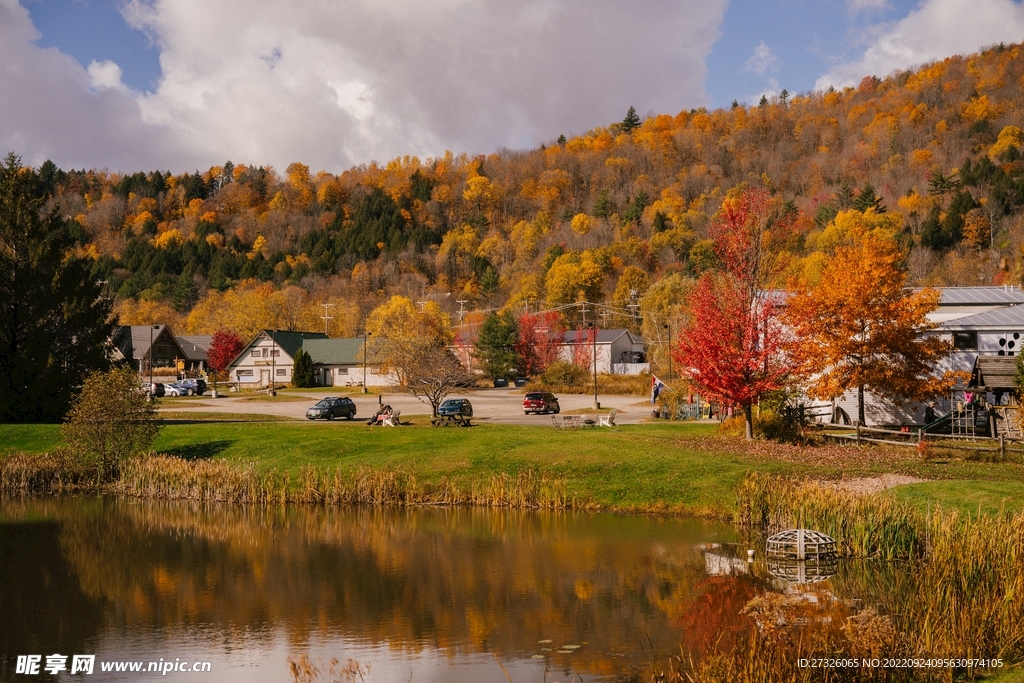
column 302, row 371
column 54, row 327
column 631, row 122
column 496, row 346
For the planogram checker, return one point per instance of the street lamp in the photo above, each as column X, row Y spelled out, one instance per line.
column 593, row 330
column 151, row 355
column 668, row 347
column 365, row 343
column 273, row 362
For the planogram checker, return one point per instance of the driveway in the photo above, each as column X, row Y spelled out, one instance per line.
column 500, row 406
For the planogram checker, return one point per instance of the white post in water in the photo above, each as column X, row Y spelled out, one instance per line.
column 800, row 552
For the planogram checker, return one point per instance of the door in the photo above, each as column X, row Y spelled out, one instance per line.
column 264, row 378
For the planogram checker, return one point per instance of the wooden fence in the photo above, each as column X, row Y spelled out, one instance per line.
column 918, row 438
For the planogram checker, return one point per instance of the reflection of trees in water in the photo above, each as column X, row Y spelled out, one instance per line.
column 450, row 579
column 42, row 609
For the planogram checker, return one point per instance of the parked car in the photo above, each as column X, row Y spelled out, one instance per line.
column 332, row 407
column 455, row 406
column 175, row 389
column 156, row 389
column 540, row 402
column 198, row 386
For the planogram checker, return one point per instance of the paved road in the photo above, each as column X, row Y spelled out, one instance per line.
column 504, row 406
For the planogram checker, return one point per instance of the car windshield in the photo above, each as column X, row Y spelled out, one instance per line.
column 534, row 397
column 325, row 403
column 451, row 403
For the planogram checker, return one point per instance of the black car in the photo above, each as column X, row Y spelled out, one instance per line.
column 455, row 406
column 155, row 390
column 332, row 407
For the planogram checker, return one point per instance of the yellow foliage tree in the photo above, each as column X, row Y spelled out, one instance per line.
column 574, row 277
column 859, row 327
column 581, row 224
column 1009, row 136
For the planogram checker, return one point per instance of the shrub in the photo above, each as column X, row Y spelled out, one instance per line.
column 771, row 424
column 564, row 374
column 110, row 421
column 302, row 373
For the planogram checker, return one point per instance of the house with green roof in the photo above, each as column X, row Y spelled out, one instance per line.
column 270, row 354
column 339, row 363
column 336, row 362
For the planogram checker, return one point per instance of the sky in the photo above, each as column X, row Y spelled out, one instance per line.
column 181, row 85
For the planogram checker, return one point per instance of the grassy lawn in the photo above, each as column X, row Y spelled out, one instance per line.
column 663, row 464
column 969, row 497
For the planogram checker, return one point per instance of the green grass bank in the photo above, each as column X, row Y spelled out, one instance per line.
column 680, row 467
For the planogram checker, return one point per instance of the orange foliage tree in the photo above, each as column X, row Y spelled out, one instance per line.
column 859, row 327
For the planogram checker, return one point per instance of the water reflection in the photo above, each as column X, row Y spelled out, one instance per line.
column 434, row 592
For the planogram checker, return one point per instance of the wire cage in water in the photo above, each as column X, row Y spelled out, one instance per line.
column 801, row 544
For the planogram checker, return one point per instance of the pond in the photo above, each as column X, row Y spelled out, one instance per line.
column 417, row 594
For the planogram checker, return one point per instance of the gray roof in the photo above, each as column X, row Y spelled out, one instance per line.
column 195, row 346
column 959, row 296
column 994, row 372
column 133, row 340
column 336, row 351
column 603, row 336
column 1000, row 318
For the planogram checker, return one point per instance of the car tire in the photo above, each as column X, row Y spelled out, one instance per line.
column 558, row 409
column 188, row 392
column 330, row 416
column 350, row 416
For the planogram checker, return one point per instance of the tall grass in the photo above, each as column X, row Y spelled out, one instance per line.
column 168, row 478
column 958, row 594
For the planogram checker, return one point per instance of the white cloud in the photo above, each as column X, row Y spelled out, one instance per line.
column 332, row 83
column 106, row 74
column 762, row 61
column 936, row 29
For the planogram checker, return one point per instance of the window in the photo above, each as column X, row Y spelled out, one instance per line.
column 255, row 353
column 266, row 353
column 244, row 373
column 342, row 371
column 282, row 372
column 275, row 353
column 965, row 341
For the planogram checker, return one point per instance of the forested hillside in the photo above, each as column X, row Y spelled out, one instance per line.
column 603, row 216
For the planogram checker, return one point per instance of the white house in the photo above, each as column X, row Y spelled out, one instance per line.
column 339, row 362
column 270, row 353
column 618, row 351
column 980, row 321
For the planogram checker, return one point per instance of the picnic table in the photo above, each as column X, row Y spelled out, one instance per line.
column 573, row 422
column 456, row 420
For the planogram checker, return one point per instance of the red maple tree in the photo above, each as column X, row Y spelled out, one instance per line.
column 732, row 347
column 540, row 340
column 224, row 347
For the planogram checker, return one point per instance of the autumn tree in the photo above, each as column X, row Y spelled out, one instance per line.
column 859, row 326
column 540, row 341
column 433, row 374
column 400, row 334
column 224, row 348
column 110, row 421
column 731, row 348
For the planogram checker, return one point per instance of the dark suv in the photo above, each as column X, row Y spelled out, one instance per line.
column 331, row 407
column 455, row 406
column 198, row 386
column 540, row 402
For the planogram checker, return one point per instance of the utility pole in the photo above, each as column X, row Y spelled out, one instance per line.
column 365, row 343
column 593, row 330
column 462, row 310
column 668, row 348
column 327, row 318
column 273, row 362
column 583, row 311
column 421, row 304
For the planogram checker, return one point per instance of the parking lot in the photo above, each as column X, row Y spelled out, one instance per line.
column 499, row 406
